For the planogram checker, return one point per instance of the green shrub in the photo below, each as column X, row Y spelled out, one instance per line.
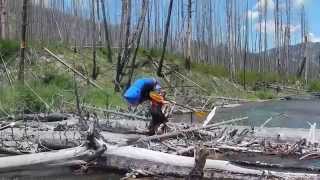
column 63, row 81
column 8, row 48
column 265, row 94
column 314, row 86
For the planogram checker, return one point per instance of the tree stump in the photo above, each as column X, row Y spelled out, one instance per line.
column 201, row 154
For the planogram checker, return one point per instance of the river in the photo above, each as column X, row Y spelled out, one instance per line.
column 285, row 113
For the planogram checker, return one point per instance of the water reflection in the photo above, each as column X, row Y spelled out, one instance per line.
column 59, row 173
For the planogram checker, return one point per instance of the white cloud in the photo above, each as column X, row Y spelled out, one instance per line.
column 299, row 3
column 314, row 38
column 264, row 3
column 270, row 27
column 253, row 14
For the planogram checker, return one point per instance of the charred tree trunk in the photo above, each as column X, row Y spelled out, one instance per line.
column 106, row 32
column 23, row 41
column 125, row 31
column 159, row 73
column 94, row 62
column 189, row 29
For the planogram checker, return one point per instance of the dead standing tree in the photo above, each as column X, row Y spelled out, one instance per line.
column 106, row 32
column 165, row 39
column 23, row 41
column 94, row 62
column 144, row 10
column 188, row 34
column 123, row 41
column 130, row 43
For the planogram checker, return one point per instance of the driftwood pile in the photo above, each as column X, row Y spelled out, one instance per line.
column 222, row 150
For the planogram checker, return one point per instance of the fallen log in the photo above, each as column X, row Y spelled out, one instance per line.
column 18, row 162
column 50, row 117
column 127, row 157
column 176, row 133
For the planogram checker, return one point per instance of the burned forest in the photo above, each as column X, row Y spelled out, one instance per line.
column 159, row 89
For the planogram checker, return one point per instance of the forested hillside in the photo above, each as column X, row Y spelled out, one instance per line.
column 114, row 42
column 210, row 32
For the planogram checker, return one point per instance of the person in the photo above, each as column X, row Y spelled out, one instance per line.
column 157, row 111
column 141, row 90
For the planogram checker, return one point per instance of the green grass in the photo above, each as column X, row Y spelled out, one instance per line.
column 265, row 94
column 254, row 77
column 8, row 48
column 214, row 70
column 314, row 86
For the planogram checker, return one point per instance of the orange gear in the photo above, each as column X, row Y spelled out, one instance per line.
column 156, row 97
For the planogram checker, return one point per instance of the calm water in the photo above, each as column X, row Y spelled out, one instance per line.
column 58, row 173
column 285, row 113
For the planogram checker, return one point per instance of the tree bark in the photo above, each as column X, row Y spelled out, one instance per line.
column 23, row 41
column 164, row 45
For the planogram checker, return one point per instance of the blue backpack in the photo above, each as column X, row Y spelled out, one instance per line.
column 139, row 90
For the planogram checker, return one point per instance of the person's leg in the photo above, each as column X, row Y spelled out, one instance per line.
column 156, row 115
column 151, row 129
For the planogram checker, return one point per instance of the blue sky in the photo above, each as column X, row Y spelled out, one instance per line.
column 312, row 8
column 312, row 16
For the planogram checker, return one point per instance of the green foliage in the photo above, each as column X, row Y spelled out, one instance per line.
column 8, row 48
column 21, row 98
column 215, row 70
column 62, row 81
column 314, row 86
column 254, row 77
column 104, row 52
column 265, row 94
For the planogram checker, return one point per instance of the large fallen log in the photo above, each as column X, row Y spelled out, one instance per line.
column 18, row 162
column 127, row 158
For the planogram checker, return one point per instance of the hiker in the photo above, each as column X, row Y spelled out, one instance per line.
column 158, row 107
column 148, row 89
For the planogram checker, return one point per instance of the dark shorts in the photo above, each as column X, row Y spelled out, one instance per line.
column 157, row 118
